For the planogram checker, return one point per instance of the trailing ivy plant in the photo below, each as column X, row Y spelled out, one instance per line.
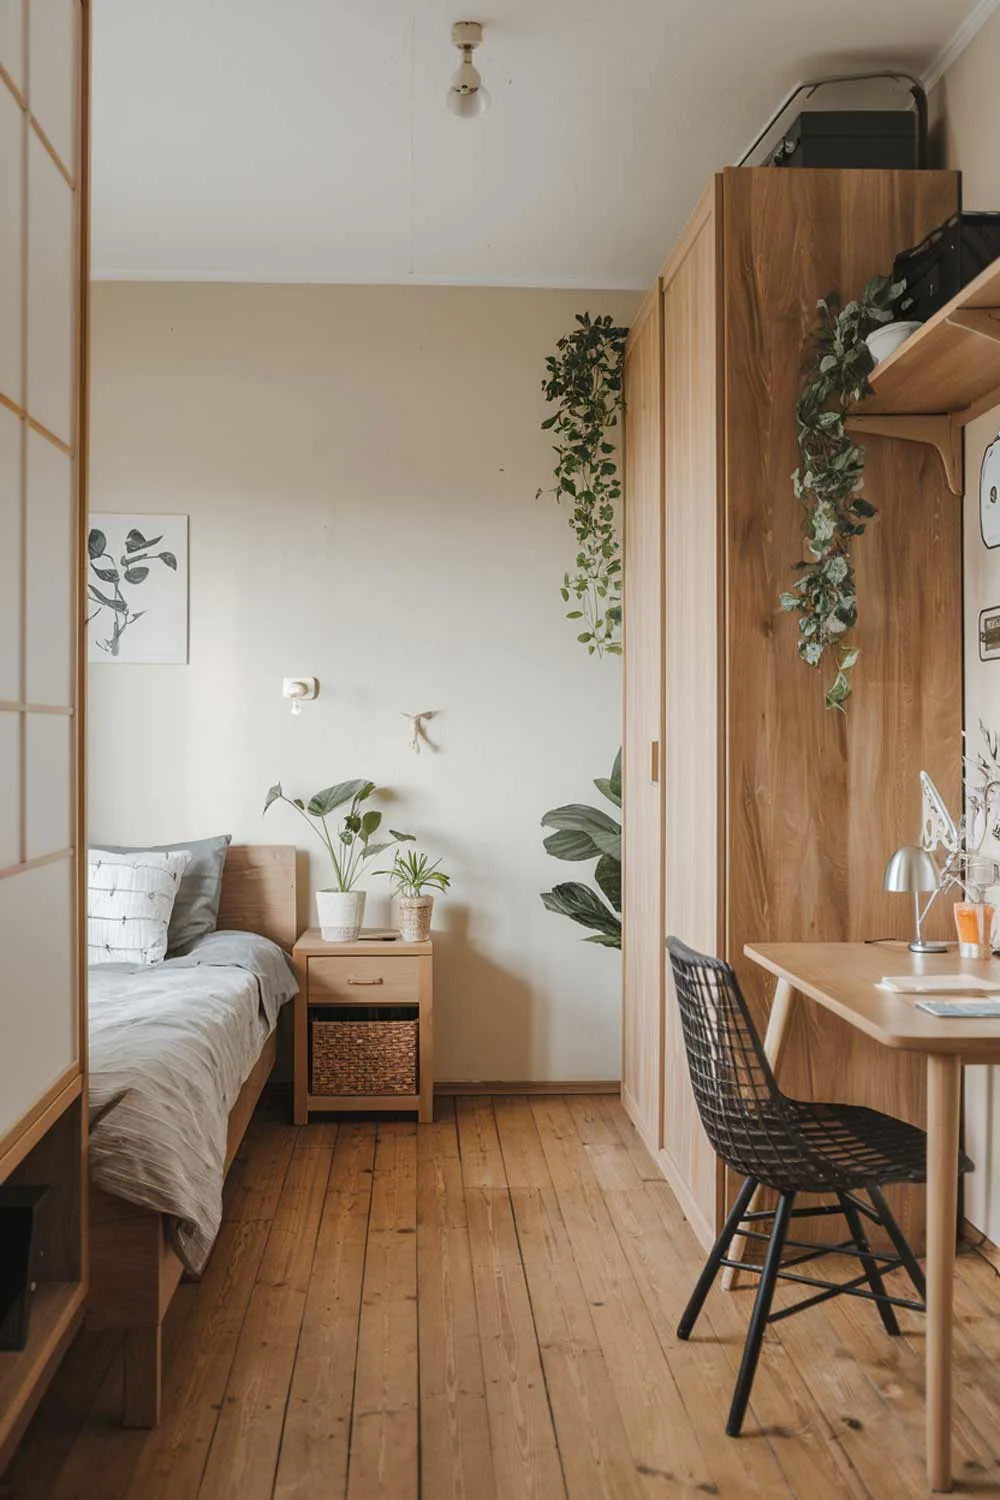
column 585, row 381
column 830, row 476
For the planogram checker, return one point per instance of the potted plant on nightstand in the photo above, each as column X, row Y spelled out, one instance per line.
column 341, row 907
column 413, row 875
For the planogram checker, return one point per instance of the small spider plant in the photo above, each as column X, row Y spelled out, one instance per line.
column 413, row 874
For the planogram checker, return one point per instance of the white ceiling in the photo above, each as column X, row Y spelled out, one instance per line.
column 308, row 140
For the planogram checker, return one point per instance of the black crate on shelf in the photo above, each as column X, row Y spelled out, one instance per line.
column 947, row 260
column 18, row 1260
column 845, row 138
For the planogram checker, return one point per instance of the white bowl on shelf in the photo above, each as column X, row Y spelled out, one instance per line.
column 886, row 340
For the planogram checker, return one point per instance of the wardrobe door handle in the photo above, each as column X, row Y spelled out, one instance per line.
column 352, row 980
column 654, row 760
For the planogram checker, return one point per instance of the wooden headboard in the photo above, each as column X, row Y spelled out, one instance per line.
column 258, row 892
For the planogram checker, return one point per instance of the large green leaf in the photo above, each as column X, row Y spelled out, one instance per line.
column 608, row 875
column 611, row 786
column 606, row 939
column 570, row 843
column 581, row 904
column 576, row 817
column 370, row 823
column 325, row 802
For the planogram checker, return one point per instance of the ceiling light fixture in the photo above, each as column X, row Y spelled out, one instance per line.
column 467, row 97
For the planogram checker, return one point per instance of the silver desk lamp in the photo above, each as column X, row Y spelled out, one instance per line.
column 912, row 869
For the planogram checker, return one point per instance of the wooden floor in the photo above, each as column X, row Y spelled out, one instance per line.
column 486, row 1308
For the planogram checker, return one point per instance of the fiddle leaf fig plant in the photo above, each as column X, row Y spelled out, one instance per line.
column 350, row 844
column 829, row 479
column 583, row 833
column 585, row 380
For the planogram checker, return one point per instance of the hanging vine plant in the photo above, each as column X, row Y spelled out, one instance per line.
column 829, row 479
column 585, row 381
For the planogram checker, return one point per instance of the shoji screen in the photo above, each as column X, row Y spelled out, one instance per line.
column 42, row 306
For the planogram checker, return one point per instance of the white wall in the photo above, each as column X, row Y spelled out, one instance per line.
column 359, row 465
column 969, row 138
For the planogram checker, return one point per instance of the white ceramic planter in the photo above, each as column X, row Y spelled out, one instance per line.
column 413, row 913
column 340, row 915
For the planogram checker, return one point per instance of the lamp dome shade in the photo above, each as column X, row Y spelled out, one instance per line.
column 911, row 869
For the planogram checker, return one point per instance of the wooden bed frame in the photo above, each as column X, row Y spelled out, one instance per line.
column 134, row 1271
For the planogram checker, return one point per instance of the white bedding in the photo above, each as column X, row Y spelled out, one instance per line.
column 170, row 1047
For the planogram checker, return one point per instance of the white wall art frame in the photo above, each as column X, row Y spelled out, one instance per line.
column 137, row 589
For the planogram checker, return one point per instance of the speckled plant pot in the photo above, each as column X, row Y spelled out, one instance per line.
column 340, row 915
column 413, row 914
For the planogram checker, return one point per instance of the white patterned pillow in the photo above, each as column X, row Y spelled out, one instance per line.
column 129, row 901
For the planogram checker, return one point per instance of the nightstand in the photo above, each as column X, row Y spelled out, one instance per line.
column 363, row 1023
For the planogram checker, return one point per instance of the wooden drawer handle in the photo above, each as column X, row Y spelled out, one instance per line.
column 352, row 980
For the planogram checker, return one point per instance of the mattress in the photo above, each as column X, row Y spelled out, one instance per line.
column 171, row 1045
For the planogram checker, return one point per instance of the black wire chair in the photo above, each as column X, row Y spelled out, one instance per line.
column 792, row 1147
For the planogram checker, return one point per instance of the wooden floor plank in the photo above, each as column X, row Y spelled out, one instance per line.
column 455, row 1455
column 526, row 1464
column 173, row 1457
column 244, row 1450
column 315, row 1442
column 662, row 1437
column 254, row 1194
column 384, row 1445
column 593, row 1443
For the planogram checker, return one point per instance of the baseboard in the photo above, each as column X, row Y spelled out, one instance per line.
column 981, row 1243
column 530, row 1086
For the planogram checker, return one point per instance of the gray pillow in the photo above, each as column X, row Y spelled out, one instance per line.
column 196, row 909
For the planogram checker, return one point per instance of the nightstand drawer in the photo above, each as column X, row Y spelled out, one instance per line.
column 364, row 981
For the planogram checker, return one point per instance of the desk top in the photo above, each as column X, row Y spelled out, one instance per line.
column 844, row 977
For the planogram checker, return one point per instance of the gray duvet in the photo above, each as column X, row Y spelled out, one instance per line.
column 171, row 1045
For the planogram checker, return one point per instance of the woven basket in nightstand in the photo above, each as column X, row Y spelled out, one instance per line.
column 364, row 1057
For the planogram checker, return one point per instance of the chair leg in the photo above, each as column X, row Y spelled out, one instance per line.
column 869, row 1264
column 899, row 1240
column 759, row 1316
column 716, row 1255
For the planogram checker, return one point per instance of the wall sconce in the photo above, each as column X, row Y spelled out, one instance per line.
column 300, row 690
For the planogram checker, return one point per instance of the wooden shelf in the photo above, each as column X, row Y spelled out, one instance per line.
column 56, row 1310
column 952, row 364
column 945, row 375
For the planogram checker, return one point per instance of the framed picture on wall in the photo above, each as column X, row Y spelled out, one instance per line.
column 137, row 589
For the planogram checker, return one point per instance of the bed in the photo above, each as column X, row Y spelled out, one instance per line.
column 138, row 1254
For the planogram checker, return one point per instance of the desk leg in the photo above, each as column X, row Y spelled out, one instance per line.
column 775, row 1037
column 944, row 1088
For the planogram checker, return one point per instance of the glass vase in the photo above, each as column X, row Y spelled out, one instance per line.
column 974, row 926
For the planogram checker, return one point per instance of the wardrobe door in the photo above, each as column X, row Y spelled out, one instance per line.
column 642, row 806
column 694, row 722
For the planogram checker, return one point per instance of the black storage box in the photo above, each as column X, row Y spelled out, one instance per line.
column 884, row 138
column 948, row 259
column 18, row 1260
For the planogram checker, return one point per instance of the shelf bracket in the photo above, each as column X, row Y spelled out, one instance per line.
column 940, row 432
column 984, row 321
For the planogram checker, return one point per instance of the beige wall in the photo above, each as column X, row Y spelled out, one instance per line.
column 359, row 465
column 967, row 130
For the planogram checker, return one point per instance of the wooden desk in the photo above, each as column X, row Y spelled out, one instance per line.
column 844, row 978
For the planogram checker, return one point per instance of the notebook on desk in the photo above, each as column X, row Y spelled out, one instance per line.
column 941, row 984
column 964, row 1010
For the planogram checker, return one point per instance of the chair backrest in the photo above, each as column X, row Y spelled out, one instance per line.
column 741, row 1106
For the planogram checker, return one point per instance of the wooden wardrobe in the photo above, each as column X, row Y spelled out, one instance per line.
column 751, row 812
column 43, row 291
